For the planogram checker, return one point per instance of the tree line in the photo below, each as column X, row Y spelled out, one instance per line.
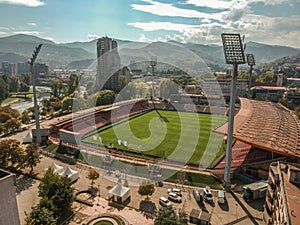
column 14, row 156
column 17, row 83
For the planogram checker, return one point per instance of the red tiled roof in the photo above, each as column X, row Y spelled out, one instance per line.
column 268, row 126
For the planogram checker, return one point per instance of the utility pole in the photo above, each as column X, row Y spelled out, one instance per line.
column 251, row 63
column 36, row 110
column 153, row 63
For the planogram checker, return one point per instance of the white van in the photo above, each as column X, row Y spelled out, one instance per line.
column 221, row 197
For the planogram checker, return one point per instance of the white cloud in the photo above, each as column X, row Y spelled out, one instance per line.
column 163, row 9
column 143, row 38
column 153, row 26
column 27, row 32
column 220, row 4
column 214, row 4
column 49, row 38
column 280, row 31
column 31, row 24
column 269, row 2
column 30, row 3
column 234, row 16
column 93, row 36
column 206, row 21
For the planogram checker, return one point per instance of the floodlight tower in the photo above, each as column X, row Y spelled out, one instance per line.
column 153, row 63
column 251, row 63
column 234, row 54
column 36, row 111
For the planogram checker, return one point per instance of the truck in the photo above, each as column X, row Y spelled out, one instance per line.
column 255, row 190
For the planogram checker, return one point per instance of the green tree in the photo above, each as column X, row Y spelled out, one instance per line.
column 66, row 103
column 166, row 88
column 92, row 175
column 17, row 157
column 103, row 97
column 90, row 87
column 41, row 216
column 4, row 116
column 25, row 78
column 9, row 149
column 268, row 77
column 146, row 188
column 182, row 217
column 13, row 112
column 142, row 90
column 57, row 189
column 54, row 103
column 4, row 89
column 12, row 124
column 57, row 87
column 73, row 83
column 32, row 155
column 24, row 87
column 14, row 84
column 25, row 117
column 168, row 216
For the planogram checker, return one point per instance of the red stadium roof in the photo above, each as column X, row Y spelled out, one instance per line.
column 268, row 126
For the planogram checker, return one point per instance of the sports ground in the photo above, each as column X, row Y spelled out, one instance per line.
column 178, row 136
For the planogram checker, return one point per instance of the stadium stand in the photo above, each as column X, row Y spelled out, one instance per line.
column 268, row 126
column 88, row 120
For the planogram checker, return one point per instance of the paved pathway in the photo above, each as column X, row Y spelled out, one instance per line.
column 236, row 208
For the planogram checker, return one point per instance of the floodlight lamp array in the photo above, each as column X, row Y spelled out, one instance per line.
column 250, row 59
column 233, row 49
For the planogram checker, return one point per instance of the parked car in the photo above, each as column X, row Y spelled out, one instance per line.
column 207, row 195
column 175, row 190
column 164, row 201
column 174, row 197
column 221, row 197
column 197, row 195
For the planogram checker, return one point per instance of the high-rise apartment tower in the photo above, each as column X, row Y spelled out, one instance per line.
column 108, row 64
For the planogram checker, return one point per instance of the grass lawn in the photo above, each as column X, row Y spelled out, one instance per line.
column 103, row 223
column 183, row 136
column 9, row 100
column 193, row 179
column 51, row 147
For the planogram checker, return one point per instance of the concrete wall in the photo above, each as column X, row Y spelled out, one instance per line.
column 8, row 203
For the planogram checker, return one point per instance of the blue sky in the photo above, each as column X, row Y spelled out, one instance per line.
column 199, row 21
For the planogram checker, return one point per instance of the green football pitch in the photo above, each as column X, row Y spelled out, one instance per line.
column 178, row 136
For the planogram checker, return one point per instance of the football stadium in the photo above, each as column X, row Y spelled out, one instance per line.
column 152, row 132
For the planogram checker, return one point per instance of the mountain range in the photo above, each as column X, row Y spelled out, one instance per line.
column 79, row 55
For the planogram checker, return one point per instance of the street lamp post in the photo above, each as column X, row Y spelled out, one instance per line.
column 36, row 110
column 251, row 63
column 234, row 54
column 153, row 63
